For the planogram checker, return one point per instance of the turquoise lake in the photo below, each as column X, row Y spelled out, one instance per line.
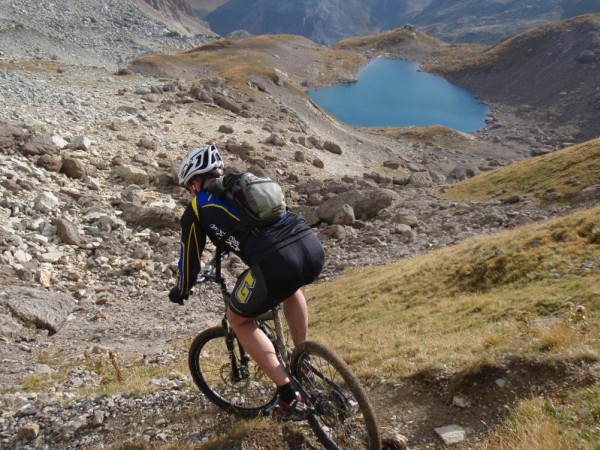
column 394, row 93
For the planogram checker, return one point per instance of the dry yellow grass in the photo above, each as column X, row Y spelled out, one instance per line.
column 461, row 306
column 286, row 54
column 389, row 39
column 563, row 174
column 531, row 294
column 409, row 43
column 543, row 424
column 435, row 135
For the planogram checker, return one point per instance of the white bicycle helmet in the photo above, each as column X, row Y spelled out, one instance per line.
column 200, row 161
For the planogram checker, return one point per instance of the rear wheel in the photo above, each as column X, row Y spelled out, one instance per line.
column 341, row 414
column 234, row 383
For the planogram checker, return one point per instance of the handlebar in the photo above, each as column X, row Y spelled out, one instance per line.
column 208, row 271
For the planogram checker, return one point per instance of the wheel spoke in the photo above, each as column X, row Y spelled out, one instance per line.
column 341, row 416
column 247, row 391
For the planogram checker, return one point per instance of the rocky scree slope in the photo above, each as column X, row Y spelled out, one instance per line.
column 116, row 31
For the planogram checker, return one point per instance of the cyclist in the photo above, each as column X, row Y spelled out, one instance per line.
column 281, row 258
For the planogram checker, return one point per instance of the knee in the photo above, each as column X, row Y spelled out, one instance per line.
column 296, row 297
column 235, row 320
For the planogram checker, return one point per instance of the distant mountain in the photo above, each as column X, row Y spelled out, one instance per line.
column 551, row 69
column 327, row 21
column 391, row 14
column 177, row 15
column 489, row 21
column 203, row 7
column 580, row 7
column 321, row 21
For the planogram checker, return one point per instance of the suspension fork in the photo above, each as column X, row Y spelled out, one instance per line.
column 239, row 368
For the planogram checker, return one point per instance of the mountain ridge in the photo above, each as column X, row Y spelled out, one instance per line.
column 325, row 22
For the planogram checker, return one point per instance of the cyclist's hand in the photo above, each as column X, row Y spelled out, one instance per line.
column 176, row 297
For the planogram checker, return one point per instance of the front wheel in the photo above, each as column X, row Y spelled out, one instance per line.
column 341, row 415
column 231, row 380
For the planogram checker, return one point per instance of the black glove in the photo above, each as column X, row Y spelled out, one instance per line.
column 176, row 297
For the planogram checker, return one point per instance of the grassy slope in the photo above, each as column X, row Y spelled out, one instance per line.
column 411, row 44
column 565, row 173
column 511, row 296
column 469, row 304
column 290, row 54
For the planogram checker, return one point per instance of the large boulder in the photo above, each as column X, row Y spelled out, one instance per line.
column 133, row 174
column 38, row 307
column 365, row 204
column 153, row 217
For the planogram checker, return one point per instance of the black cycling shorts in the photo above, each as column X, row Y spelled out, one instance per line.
column 277, row 276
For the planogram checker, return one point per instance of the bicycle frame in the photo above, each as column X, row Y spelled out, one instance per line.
column 212, row 273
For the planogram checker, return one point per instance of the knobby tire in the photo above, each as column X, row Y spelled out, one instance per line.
column 211, row 369
column 341, row 416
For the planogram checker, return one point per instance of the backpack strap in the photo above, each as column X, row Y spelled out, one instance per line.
column 245, row 224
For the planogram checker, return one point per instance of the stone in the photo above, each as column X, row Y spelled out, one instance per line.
column 420, row 179
column 38, row 307
column 318, row 163
column 46, row 202
column 391, row 440
column 73, row 168
column 133, row 175
column 50, row 162
column 344, row 216
column 276, row 140
column 150, row 217
column 591, row 193
column 59, row 142
column 451, row 434
column 366, row 204
column 82, row 143
column 147, row 144
column 227, row 104
column 66, row 231
column 227, row 129
column 332, row 147
column 40, row 145
column 28, row 432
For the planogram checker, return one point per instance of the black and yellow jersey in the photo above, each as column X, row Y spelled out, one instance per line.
column 213, row 217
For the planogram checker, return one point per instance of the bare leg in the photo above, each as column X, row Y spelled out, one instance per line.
column 296, row 314
column 258, row 345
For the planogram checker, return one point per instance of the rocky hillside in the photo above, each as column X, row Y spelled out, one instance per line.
column 116, row 30
column 319, row 21
column 549, row 72
column 89, row 210
column 177, row 15
column 489, row 21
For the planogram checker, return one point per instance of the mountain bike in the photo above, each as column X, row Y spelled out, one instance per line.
column 340, row 413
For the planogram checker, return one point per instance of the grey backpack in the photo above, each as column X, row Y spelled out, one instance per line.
column 260, row 199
